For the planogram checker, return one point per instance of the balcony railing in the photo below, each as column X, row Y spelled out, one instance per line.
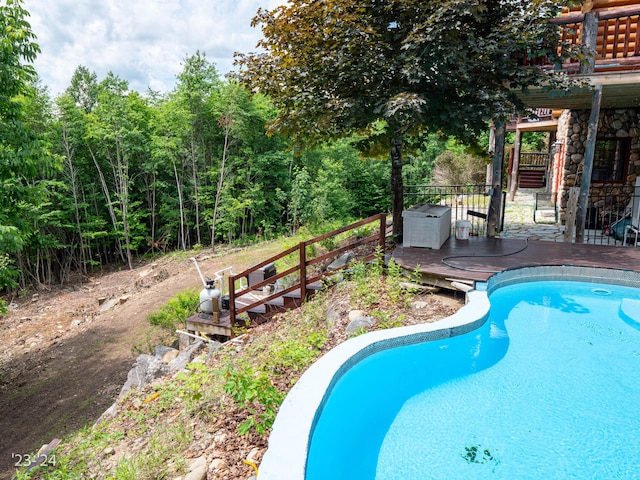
column 609, row 210
column 617, row 43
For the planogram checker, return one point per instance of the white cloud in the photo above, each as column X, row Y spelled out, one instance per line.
column 141, row 41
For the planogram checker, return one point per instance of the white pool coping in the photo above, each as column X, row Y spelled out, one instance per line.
column 286, row 456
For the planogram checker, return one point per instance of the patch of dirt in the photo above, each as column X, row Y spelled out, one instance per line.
column 63, row 361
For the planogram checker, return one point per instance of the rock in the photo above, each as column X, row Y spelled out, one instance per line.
column 197, row 469
column 76, row 323
column 332, row 317
column 146, row 369
column 360, row 322
column 107, row 305
column 123, row 299
column 199, row 473
column 160, row 351
column 254, row 455
column 217, row 464
column 353, row 314
column 198, row 462
column 186, row 355
column 108, row 414
column 109, row 451
column 342, row 261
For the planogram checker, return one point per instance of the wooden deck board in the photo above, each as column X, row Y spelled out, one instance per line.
column 479, row 257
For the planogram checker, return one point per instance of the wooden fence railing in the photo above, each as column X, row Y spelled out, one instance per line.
column 301, row 269
column 533, row 160
column 617, row 39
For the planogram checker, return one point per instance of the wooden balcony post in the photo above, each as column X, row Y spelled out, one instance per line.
column 516, row 164
column 589, row 153
column 590, row 40
column 493, row 219
column 383, row 232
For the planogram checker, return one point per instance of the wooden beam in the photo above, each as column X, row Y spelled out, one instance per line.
column 516, row 165
column 585, row 185
column 589, row 41
column 493, row 220
column 570, row 219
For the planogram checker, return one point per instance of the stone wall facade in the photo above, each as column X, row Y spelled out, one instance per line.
column 572, row 133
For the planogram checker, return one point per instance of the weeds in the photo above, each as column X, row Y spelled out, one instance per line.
column 176, row 310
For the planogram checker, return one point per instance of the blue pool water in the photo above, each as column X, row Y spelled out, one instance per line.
column 548, row 388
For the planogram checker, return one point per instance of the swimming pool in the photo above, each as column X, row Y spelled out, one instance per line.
column 546, row 386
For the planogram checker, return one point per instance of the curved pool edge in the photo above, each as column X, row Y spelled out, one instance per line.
column 286, row 455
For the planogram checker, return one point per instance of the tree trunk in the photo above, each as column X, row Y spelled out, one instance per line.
column 397, row 189
column 107, row 195
column 194, row 174
column 181, row 237
column 69, row 151
column 227, row 132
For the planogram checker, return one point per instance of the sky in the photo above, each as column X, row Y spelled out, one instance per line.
column 142, row 41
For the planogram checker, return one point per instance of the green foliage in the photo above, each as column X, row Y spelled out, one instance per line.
column 390, row 70
column 176, row 310
column 254, row 392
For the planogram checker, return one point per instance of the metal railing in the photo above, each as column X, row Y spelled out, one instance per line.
column 467, row 202
column 609, row 210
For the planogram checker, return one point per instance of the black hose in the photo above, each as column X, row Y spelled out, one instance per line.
column 444, row 260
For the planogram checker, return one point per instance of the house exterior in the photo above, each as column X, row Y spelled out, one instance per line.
column 611, row 96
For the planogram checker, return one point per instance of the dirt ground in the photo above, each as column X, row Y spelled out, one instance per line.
column 63, row 361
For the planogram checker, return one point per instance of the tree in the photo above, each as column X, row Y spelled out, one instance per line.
column 196, row 83
column 23, row 153
column 391, row 68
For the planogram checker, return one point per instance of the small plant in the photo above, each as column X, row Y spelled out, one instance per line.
column 254, row 392
column 176, row 310
column 388, row 320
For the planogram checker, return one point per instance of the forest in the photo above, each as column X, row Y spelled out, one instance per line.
column 102, row 175
column 129, row 174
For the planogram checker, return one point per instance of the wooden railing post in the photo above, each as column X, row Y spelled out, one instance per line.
column 232, row 299
column 383, row 232
column 303, row 270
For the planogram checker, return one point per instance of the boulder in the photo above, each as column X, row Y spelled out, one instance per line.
column 360, row 322
column 342, row 261
column 146, row 369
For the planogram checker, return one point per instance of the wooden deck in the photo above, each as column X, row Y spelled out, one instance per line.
column 478, row 258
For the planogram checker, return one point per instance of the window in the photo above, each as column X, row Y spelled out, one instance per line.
column 610, row 160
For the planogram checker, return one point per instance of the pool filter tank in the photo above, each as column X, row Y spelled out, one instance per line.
column 209, row 295
column 210, row 299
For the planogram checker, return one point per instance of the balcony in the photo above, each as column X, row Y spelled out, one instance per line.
column 616, row 65
column 617, row 45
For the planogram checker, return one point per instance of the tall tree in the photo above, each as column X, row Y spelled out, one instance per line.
column 392, row 68
column 23, row 153
column 196, row 83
